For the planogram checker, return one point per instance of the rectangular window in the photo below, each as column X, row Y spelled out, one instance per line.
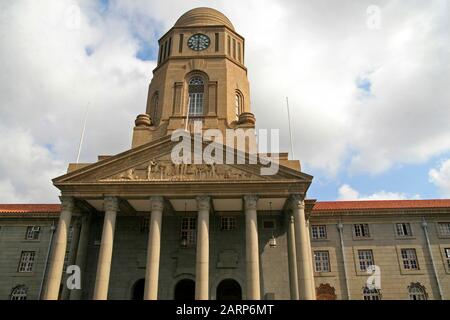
column 321, row 261
column 361, row 230
column 160, row 53
column 269, row 224
column 444, row 229
column 403, row 229
column 26, row 261
column 229, row 45
column 227, row 223
column 180, row 45
column 188, row 228
column 409, row 258
column 216, row 41
column 32, row 233
column 234, row 48
column 170, row 47
column 447, row 256
column 145, row 224
column 319, row 232
column 239, row 52
column 365, row 258
column 165, row 50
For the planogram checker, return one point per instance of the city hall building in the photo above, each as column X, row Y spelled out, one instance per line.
column 140, row 226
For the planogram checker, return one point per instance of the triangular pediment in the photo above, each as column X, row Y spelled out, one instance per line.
column 152, row 163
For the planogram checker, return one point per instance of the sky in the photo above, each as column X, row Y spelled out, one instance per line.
column 367, row 81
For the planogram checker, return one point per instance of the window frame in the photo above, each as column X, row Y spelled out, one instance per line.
column 408, row 261
column 196, row 100
column 419, row 291
column 400, row 233
column 26, row 261
column 32, row 234
column 188, row 230
column 371, row 294
column 364, row 231
column 21, row 296
column 316, row 233
column 364, row 260
column 439, row 229
column 322, row 265
column 228, row 223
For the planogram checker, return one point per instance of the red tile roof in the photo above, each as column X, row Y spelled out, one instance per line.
column 380, row 204
column 30, row 208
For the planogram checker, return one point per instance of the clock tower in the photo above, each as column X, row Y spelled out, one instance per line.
column 200, row 75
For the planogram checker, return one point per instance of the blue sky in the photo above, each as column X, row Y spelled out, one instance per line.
column 369, row 106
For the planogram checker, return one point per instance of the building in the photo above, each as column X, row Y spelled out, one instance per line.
column 139, row 225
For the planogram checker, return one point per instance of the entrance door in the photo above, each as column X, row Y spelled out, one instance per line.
column 185, row 290
column 138, row 290
column 229, row 289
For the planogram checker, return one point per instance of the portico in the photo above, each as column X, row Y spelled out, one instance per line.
column 159, row 207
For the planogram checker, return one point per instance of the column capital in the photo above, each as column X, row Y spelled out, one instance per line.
column 250, row 202
column 203, row 202
column 67, row 203
column 110, row 203
column 297, row 201
column 157, row 203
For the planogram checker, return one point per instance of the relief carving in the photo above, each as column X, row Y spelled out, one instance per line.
column 165, row 170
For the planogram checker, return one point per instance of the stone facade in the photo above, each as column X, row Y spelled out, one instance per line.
column 139, row 225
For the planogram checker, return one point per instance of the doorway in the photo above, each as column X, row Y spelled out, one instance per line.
column 138, row 290
column 229, row 289
column 185, row 290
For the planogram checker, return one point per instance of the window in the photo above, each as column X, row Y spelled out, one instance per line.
column 188, row 227
column 365, row 258
column 447, row 256
column 237, row 104
column 196, row 89
column 444, row 229
column 361, row 230
column 269, row 224
column 32, row 233
column 229, row 45
column 145, row 224
column 155, row 106
column 239, row 52
column 227, row 223
column 180, row 45
column 216, row 41
column 371, row 294
column 403, row 229
column 417, row 292
column 321, row 261
column 319, row 232
column 169, row 51
column 234, row 48
column 409, row 258
column 19, row 293
column 26, row 261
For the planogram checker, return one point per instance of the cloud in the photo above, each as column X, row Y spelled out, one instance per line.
column 362, row 100
column 346, row 192
column 440, row 177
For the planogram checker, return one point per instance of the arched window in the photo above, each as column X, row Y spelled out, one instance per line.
column 19, row 293
column 417, row 292
column 371, row 294
column 196, row 90
column 238, row 104
column 155, row 106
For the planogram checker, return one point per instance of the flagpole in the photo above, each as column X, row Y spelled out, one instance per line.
column 290, row 130
column 82, row 133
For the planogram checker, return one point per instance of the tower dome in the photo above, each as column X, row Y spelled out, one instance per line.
column 203, row 16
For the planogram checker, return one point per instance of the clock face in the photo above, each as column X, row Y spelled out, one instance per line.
column 198, row 42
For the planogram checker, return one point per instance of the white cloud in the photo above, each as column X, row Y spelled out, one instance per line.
column 312, row 51
column 440, row 176
column 346, row 192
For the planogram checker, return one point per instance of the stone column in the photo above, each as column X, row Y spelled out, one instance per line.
column 153, row 249
column 202, row 263
column 251, row 248
column 59, row 250
column 106, row 249
column 293, row 282
column 305, row 274
column 72, row 255
column 311, row 261
column 80, row 259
